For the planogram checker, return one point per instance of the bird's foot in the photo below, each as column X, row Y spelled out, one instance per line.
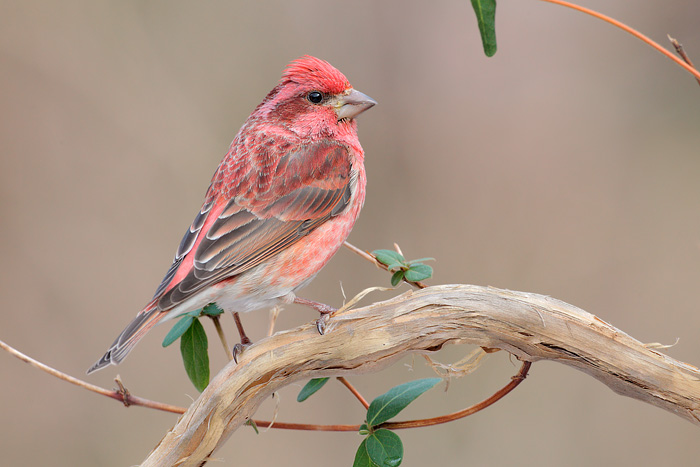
column 322, row 308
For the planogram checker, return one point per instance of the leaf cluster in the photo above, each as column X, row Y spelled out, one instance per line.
column 411, row 270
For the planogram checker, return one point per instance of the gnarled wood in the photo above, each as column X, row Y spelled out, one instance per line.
column 532, row 327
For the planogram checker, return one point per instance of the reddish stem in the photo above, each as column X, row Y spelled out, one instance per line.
column 515, row 381
column 355, row 392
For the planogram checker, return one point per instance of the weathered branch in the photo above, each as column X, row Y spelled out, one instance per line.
column 530, row 326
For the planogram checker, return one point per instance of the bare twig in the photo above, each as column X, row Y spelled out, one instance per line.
column 123, row 391
column 121, row 394
column 680, row 51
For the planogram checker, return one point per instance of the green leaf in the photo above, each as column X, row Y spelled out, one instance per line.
column 310, row 388
column 388, row 257
column 178, row 330
column 362, row 456
column 212, row 310
column 389, row 404
column 193, row 347
column 486, row 17
column 418, row 272
column 396, row 278
column 384, row 448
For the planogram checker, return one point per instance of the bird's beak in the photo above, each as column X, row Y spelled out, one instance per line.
column 352, row 104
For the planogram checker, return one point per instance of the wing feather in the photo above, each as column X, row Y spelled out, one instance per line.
column 280, row 202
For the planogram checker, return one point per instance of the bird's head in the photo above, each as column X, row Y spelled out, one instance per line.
column 314, row 97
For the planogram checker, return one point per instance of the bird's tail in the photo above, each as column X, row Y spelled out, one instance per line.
column 130, row 336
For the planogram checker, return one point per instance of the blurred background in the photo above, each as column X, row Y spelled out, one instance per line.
column 567, row 165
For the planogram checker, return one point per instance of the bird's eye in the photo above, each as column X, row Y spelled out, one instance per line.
column 314, row 97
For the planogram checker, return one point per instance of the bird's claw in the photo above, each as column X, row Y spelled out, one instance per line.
column 322, row 322
column 238, row 349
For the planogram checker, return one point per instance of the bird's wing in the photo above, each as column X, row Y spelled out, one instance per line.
column 266, row 207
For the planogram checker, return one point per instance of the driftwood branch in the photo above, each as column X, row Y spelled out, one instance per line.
column 530, row 326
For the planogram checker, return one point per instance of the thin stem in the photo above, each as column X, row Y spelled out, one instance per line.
column 222, row 337
column 514, row 382
column 354, row 391
column 629, row 30
column 121, row 395
column 306, row 426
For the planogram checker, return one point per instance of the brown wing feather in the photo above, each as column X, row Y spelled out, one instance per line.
column 269, row 214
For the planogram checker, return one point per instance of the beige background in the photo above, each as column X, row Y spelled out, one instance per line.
column 567, row 165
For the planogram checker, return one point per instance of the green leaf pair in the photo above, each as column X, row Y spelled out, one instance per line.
column 381, row 447
column 194, row 344
column 412, row 271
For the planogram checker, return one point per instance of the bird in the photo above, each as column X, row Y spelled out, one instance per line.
column 280, row 204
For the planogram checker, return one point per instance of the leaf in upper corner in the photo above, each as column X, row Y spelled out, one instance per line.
column 310, row 388
column 486, row 17
column 389, row 404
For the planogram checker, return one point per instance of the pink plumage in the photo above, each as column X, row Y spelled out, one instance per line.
column 281, row 203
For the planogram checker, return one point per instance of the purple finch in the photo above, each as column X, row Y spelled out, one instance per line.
column 280, row 204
